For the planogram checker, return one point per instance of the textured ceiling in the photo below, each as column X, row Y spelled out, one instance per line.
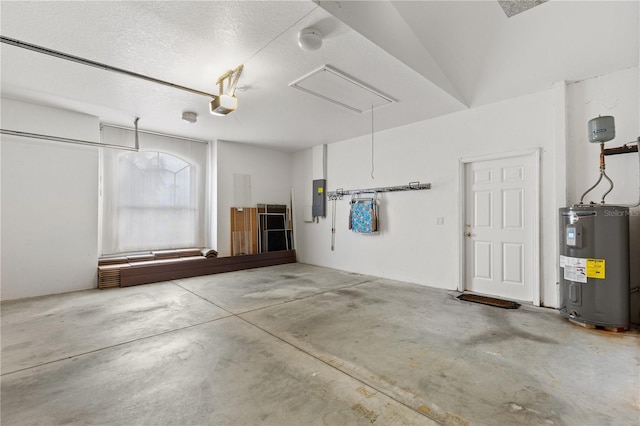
column 513, row 7
column 433, row 58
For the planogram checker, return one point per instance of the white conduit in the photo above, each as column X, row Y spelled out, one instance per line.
column 65, row 140
column 637, row 204
column 149, row 132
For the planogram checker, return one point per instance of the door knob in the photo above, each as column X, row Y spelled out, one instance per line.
column 467, row 234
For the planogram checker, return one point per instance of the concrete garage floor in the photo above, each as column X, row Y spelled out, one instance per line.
column 304, row 345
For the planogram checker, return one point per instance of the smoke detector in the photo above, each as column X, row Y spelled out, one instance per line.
column 310, row 39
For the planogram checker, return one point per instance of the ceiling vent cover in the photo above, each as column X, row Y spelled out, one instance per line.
column 334, row 86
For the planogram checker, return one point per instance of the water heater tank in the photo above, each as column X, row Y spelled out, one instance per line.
column 594, row 265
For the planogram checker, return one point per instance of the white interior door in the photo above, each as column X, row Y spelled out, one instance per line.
column 501, row 211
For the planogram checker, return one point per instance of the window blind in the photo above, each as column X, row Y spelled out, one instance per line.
column 155, row 198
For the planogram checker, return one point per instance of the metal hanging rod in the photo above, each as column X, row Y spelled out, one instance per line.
column 83, row 61
column 412, row 186
column 65, row 140
column 149, row 132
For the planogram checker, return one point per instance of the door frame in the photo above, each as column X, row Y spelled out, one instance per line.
column 535, row 226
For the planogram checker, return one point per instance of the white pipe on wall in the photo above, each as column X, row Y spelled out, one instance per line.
column 65, row 140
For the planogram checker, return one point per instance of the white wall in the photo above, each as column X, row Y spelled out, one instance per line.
column 411, row 245
column 270, row 173
column 49, row 202
column 616, row 94
column 49, row 190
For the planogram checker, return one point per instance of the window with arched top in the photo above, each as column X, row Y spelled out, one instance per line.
column 152, row 199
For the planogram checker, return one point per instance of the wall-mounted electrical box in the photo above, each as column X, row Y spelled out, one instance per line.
column 318, row 208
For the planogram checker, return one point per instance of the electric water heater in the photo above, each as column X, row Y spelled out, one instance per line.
column 594, row 265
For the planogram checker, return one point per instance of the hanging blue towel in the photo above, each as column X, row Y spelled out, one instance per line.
column 363, row 217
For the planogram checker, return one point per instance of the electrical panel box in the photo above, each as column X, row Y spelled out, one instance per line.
column 318, row 208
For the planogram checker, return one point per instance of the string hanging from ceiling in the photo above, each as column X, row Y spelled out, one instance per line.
column 372, row 146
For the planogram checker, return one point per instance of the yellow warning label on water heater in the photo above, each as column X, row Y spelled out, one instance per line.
column 320, row 190
column 596, row 268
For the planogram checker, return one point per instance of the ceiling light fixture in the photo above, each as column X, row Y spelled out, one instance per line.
column 226, row 101
column 310, row 39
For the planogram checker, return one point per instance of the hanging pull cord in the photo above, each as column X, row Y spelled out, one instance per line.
column 372, row 152
column 602, row 174
column 333, row 224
